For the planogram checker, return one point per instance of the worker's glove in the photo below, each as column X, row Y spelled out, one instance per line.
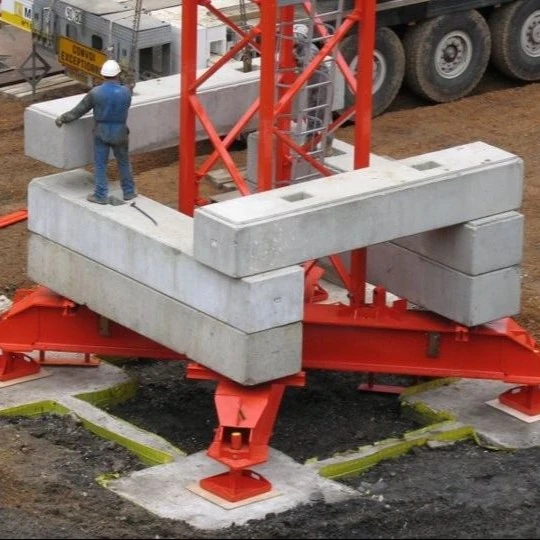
column 59, row 121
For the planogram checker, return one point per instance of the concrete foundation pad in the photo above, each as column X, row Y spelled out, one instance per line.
column 467, row 400
column 42, row 374
column 513, row 412
column 63, row 381
column 165, row 490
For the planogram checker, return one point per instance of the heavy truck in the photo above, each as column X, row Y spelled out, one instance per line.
column 440, row 49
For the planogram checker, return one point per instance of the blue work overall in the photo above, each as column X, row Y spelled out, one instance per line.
column 110, row 102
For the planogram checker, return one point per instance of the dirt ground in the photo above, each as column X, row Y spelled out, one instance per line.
column 49, row 465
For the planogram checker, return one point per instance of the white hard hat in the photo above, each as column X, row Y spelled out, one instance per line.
column 110, row 68
column 301, row 30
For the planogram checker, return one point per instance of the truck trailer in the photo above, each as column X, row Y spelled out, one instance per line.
column 439, row 49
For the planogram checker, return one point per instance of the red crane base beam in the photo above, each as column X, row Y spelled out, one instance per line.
column 13, row 217
column 399, row 341
column 41, row 320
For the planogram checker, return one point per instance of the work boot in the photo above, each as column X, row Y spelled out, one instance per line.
column 94, row 199
column 130, row 196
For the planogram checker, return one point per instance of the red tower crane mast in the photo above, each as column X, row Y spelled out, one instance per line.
column 373, row 338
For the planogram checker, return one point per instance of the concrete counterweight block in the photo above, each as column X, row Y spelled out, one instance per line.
column 137, row 269
column 159, row 256
column 468, row 300
column 247, row 359
column 474, row 248
column 153, row 118
column 356, row 209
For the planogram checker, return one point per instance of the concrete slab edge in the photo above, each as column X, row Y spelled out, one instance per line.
column 419, row 411
column 440, row 426
column 427, row 385
column 101, row 398
column 369, row 456
column 111, row 396
column 424, row 414
column 35, row 409
column 147, row 454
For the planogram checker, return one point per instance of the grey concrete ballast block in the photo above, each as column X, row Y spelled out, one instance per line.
column 476, row 247
column 356, row 209
column 159, row 256
column 154, row 117
column 469, row 300
column 245, row 358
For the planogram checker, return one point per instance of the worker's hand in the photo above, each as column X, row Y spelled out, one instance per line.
column 59, row 121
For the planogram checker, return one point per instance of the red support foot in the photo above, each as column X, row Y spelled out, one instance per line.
column 16, row 365
column 234, row 486
column 525, row 399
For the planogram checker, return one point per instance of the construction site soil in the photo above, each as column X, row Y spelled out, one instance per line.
column 49, row 464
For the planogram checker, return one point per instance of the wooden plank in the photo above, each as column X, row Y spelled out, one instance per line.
column 53, row 82
column 48, row 89
column 25, row 86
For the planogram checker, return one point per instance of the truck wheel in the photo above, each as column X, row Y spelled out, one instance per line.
column 388, row 68
column 447, row 55
column 515, row 31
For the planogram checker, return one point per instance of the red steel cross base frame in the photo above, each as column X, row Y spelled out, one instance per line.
column 375, row 338
column 361, row 337
column 372, row 338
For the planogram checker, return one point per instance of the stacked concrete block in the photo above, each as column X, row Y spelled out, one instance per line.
column 476, row 247
column 357, row 209
column 470, row 300
column 469, row 273
column 245, row 358
column 153, row 118
column 149, row 258
column 340, row 158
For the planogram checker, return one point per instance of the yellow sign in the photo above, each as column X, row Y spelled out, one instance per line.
column 20, row 16
column 79, row 57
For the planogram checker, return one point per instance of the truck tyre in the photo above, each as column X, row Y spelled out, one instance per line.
column 515, row 32
column 447, row 55
column 388, row 67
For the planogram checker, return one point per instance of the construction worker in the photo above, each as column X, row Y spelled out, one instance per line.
column 110, row 102
column 318, row 84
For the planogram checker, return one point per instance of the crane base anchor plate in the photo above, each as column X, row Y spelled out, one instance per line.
column 16, row 366
column 525, row 399
column 235, row 486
